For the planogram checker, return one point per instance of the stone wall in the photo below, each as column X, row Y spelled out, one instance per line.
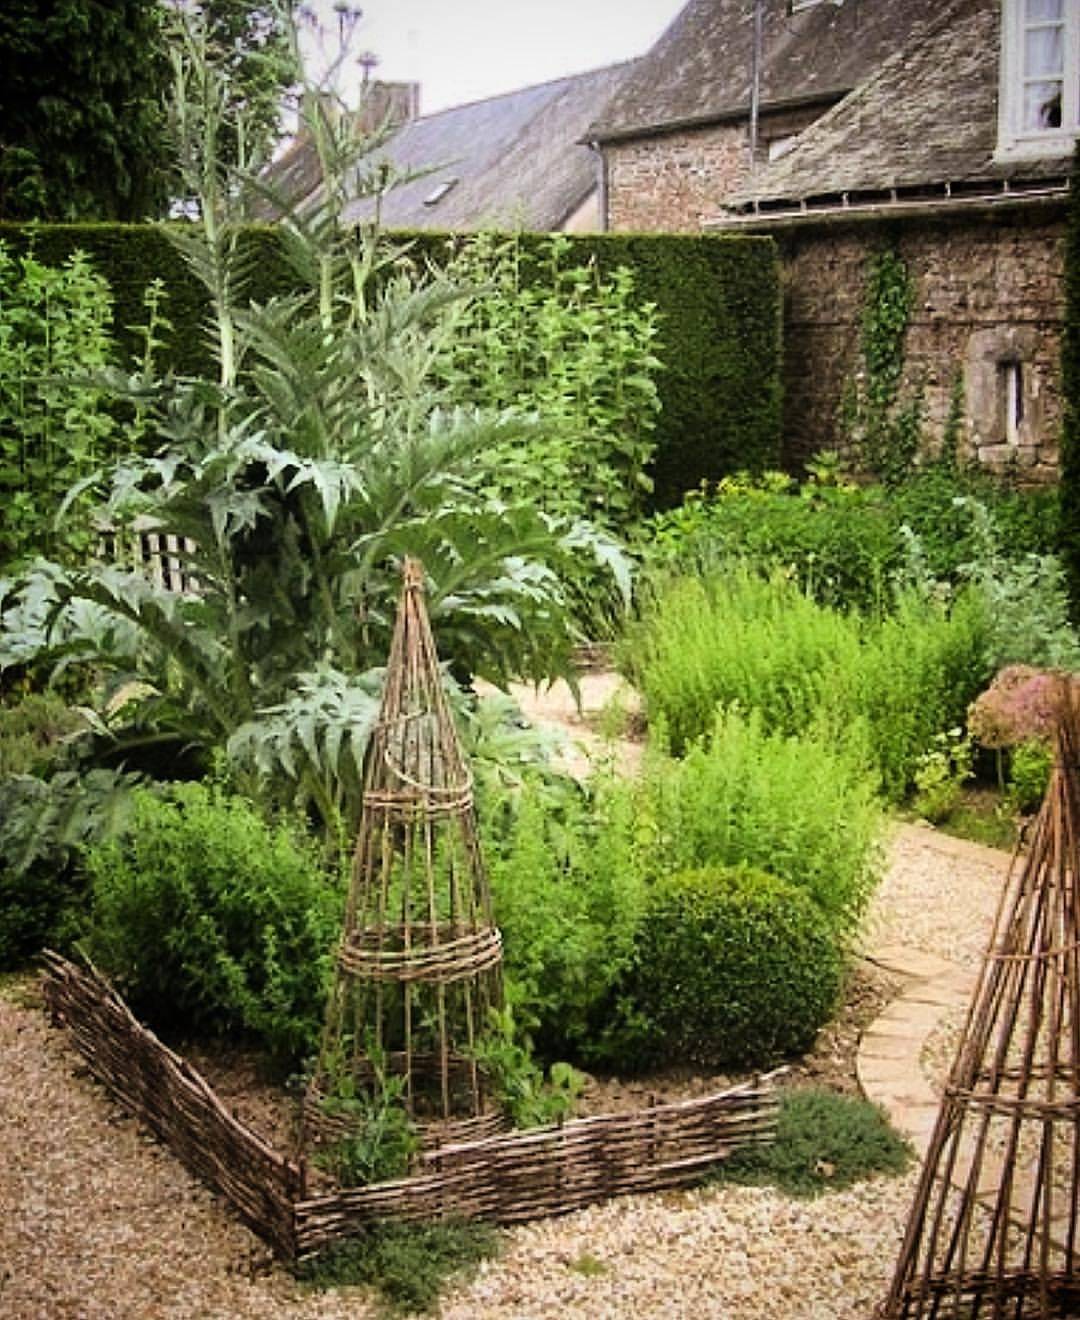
column 673, row 183
column 678, row 180
column 988, row 314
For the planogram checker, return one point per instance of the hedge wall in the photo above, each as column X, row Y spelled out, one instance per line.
column 718, row 297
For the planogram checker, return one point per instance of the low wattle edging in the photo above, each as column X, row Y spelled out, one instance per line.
column 505, row 1178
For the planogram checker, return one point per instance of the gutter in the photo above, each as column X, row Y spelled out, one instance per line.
column 893, row 205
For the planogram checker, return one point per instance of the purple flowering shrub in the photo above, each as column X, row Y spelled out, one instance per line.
column 1019, row 706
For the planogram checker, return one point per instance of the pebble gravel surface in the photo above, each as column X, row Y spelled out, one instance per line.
column 98, row 1221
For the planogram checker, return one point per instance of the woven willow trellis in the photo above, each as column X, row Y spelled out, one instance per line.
column 993, row 1229
column 420, row 959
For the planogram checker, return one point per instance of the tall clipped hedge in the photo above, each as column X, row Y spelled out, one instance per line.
column 1069, row 490
column 718, row 297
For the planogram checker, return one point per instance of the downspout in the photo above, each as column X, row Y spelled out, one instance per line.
column 755, row 88
column 601, row 184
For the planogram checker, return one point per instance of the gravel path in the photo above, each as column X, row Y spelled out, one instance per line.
column 99, row 1221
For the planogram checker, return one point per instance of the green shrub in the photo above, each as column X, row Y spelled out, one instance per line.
column 718, row 302
column 407, row 1263
column 576, row 347
column 54, row 426
column 1026, row 599
column 941, row 775
column 824, row 1142
column 1030, row 765
column 32, row 731
column 566, row 885
column 918, row 671
column 731, row 636
column 208, row 919
column 44, row 827
column 840, row 543
column 843, row 543
column 804, row 809
column 732, row 967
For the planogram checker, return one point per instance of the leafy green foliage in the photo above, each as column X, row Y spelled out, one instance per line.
column 517, row 1080
column 32, row 731
column 1070, row 389
column 846, row 544
column 1030, row 764
column 54, row 426
column 1026, row 599
column 577, row 347
column 732, row 967
column 208, row 919
column 839, row 542
column 936, row 503
column 884, row 428
column 381, row 1140
column 717, row 304
column 325, row 450
column 919, row 669
column 567, row 889
column 730, row 637
column 407, row 1263
column 802, row 808
column 81, row 87
column 573, row 874
column 941, row 775
column 45, row 824
column 824, row 1142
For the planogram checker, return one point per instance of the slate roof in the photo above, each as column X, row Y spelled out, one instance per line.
column 927, row 117
column 700, row 70
column 517, row 159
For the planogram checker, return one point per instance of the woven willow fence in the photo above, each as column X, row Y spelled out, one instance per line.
column 993, row 1228
column 178, row 1105
column 505, row 1179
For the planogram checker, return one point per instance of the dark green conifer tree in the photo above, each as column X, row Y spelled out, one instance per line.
column 82, row 85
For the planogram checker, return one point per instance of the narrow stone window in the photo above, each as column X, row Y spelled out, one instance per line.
column 1011, row 375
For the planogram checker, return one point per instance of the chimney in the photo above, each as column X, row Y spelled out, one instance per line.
column 315, row 104
column 387, row 105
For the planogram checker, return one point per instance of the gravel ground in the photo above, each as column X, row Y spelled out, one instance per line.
column 99, row 1221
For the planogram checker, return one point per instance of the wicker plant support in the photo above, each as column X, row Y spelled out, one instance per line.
column 993, row 1228
column 420, row 958
column 506, row 1178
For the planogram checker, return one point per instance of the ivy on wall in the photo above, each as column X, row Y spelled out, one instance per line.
column 1069, row 489
column 884, row 426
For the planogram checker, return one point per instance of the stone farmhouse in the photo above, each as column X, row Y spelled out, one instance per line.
column 943, row 128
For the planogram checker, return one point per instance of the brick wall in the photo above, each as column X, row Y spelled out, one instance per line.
column 988, row 301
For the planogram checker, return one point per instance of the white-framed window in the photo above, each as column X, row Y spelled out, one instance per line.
column 1039, row 102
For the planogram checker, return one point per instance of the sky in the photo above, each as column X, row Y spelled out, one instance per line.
column 464, row 50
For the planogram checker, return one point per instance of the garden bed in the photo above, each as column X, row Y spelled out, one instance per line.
column 504, row 1179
